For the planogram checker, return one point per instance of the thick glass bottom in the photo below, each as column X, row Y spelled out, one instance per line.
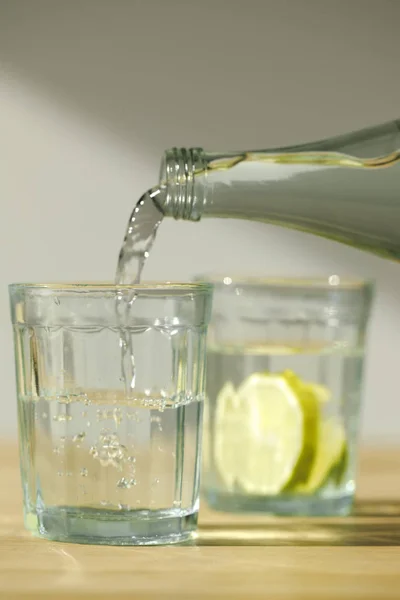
column 285, row 505
column 115, row 528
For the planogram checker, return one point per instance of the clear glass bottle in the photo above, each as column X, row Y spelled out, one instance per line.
column 346, row 188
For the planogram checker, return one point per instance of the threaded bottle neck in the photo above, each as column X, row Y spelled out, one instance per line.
column 182, row 179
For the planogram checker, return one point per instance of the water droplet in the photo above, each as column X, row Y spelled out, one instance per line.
column 62, row 439
column 79, row 437
column 88, row 424
column 60, row 473
column 69, row 474
column 84, row 472
column 160, row 449
column 156, row 480
column 84, row 413
column 131, row 459
column 177, row 503
column 56, row 300
column 44, row 415
column 123, row 506
column 56, row 450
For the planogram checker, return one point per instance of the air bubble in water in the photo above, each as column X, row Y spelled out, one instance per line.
column 109, row 451
column 61, row 418
column 103, row 415
column 79, row 437
column 63, row 400
column 133, row 416
column 126, row 484
column 123, row 483
column 117, row 416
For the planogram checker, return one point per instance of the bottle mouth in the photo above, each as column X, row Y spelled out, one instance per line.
column 183, row 193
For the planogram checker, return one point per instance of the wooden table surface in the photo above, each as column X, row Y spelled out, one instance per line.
column 234, row 557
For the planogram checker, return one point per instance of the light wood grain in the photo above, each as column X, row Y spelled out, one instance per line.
column 235, row 557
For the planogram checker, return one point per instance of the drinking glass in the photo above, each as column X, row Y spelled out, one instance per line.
column 284, row 388
column 110, row 383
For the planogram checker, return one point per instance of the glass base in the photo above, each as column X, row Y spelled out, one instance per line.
column 115, row 528
column 300, row 505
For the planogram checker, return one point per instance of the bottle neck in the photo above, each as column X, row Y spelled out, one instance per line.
column 336, row 188
column 182, row 183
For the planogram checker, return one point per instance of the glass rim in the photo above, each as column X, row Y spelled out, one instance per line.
column 98, row 286
column 327, row 283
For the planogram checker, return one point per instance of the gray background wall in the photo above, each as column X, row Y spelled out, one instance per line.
column 92, row 92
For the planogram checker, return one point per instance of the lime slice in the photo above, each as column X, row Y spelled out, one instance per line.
column 330, row 457
column 277, row 437
column 322, row 393
column 229, row 433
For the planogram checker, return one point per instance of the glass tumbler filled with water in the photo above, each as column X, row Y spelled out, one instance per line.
column 284, row 389
column 110, row 384
column 346, row 188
